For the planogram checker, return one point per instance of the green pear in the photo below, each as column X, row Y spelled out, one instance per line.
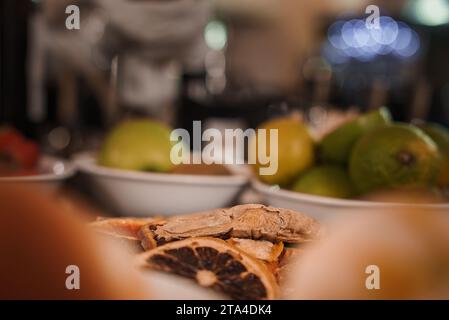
column 142, row 145
column 336, row 147
column 394, row 156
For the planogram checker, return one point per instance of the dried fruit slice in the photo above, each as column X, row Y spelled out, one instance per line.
column 216, row 264
column 124, row 230
column 146, row 235
column 259, row 249
column 126, row 227
column 252, row 221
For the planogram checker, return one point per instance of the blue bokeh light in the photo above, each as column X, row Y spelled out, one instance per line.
column 354, row 39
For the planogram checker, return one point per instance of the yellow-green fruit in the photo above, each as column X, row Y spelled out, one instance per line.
column 295, row 150
column 142, row 145
column 336, row 147
column 392, row 156
column 327, row 180
column 440, row 135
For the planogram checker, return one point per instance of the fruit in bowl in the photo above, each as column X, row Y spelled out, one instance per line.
column 133, row 175
column 372, row 154
column 142, row 145
column 398, row 155
column 327, row 181
column 295, row 150
column 337, row 145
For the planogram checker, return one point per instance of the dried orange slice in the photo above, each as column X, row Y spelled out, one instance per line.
column 267, row 252
column 146, row 235
column 216, row 264
column 259, row 249
column 126, row 227
column 122, row 230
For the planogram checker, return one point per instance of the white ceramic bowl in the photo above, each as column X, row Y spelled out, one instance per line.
column 51, row 173
column 327, row 209
column 132, row 193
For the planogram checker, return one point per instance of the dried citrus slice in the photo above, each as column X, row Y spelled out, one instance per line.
column 267, row 252
column 127, row 227
column 259, row 249
column 146, row 235
column 216, row 264
column 123, row 230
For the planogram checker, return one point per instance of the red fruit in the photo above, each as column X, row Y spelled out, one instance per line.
column 16, row 152
column 9, row 136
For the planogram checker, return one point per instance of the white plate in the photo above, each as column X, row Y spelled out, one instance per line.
column 52, row 172
column 133, row 193
column 328, row 209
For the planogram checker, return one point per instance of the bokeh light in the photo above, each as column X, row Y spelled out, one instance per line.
column 429, row 12
column 216, row 35
column 353, row 39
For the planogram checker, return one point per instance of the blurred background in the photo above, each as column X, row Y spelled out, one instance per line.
column 228, row 63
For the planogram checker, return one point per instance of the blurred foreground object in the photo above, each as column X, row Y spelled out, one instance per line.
column 409, row 249
column 40, row 239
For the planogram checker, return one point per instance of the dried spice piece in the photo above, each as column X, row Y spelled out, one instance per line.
column 254, row 221
column 216, row 264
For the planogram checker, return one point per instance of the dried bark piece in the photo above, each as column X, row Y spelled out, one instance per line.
column 254, row 221
column 215, row 264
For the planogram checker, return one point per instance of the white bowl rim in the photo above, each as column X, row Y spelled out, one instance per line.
column 68, row 171
column 85, row 162
column 314, row 199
